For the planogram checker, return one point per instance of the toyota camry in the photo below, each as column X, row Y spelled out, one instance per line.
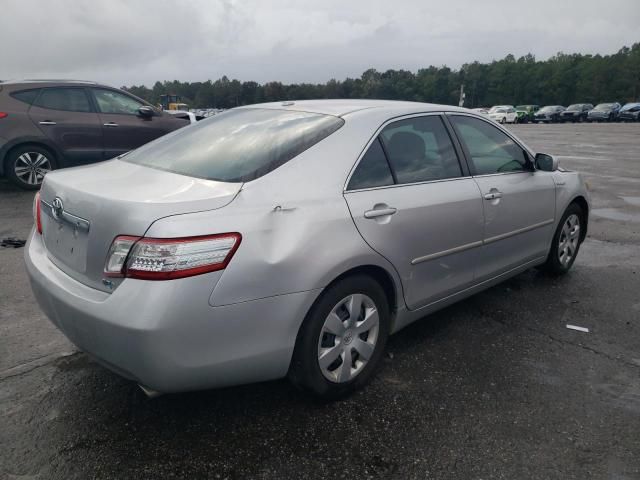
column 291, row 239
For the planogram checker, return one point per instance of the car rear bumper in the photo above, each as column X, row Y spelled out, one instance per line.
column 164, row 334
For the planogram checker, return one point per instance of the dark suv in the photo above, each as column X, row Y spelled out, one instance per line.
column 49, row 124
column 576, row 113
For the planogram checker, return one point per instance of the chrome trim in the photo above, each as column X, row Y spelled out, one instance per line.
column 443, row 253
column 66, row 217
column 518, row 231
column 395, row 185
column 479, row 243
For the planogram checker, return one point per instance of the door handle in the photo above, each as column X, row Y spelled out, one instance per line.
column 47, row 122
column 111, row 124
column 493, row 195
column 381, row 212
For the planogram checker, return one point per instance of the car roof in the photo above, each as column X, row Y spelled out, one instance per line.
column 35, row 83
column 344, row 107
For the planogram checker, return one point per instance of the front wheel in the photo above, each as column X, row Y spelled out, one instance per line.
column 342, row 339
column 566, row 241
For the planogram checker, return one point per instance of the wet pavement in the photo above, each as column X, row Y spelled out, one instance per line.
column 495, row 387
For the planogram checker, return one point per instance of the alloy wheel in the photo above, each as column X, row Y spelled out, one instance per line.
column 31, row 167
column 569, row 240
column 348, row 338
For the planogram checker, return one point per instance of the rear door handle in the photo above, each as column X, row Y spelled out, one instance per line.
column 111, row 124
column 493, row 195
column 47, row 122
column 381, row 212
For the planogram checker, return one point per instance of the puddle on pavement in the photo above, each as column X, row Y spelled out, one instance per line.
column 632, row 200
column 615, row 214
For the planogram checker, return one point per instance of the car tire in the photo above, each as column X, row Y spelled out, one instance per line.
column 503, row 120
column 332, row 333
column 566, row 241
column 26, row 166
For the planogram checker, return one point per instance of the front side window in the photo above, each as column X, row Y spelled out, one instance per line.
column 239, row 145
column 490, row 149
column 67, row 99
column 110, row 101
column 420, row 150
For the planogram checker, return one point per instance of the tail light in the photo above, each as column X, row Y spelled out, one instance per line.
column 36, row 213
column 170, row 258
column 3, row 114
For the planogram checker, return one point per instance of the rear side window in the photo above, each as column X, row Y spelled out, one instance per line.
column 491, row 150
column 420, row 150
column 26, row 96
column 68, row 99
column 373, row 170
column 236, row 146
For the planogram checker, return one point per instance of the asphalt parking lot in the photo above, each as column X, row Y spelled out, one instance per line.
column 495, row 387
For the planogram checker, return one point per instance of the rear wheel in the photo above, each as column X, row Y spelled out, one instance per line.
column 26, row 166
column 566, row 241
column 342, row 339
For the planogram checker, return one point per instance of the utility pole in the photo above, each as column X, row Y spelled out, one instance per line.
column 462, row 96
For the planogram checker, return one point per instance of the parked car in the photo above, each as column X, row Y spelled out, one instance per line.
column 604, row 112
column 630, row 112
column 503, row 114
column 549, row 114
column 292, row 239
column 526, row 113
column 49, row 124
column 576, row 113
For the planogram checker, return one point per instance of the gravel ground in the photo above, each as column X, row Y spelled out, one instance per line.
column 494, row 387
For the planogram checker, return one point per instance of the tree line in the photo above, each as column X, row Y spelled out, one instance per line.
column 560, row 80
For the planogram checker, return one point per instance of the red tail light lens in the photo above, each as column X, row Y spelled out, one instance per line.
column 3, row 114
column 36, row 213
column 170, row 258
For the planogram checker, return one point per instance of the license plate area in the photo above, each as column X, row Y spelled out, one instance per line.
column 65, row 241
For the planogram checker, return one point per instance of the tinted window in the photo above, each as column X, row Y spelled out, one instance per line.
column 237, row 145
column 420, row 150
column 69, row 99
column 491, row 150
column 373, row 169
column 110, row 101
column 26, row 96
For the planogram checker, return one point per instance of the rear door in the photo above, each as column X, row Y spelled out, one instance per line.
column 123, row 127
column 65, row 115
column 415, row 204
column 519, row 201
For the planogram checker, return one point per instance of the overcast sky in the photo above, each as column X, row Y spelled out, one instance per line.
column 125, row 42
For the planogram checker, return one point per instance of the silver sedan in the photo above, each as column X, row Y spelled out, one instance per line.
column 290, row 239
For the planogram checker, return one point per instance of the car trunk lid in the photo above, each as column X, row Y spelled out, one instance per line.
column 85, row 208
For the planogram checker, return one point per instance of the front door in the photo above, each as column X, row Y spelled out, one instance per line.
column 123, row 127
column 519, row 201
column 65, row 116
column 413, row 203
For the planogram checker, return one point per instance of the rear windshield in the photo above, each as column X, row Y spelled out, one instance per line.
column 237, row 145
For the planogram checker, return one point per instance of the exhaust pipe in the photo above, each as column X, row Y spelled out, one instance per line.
column 149, row 392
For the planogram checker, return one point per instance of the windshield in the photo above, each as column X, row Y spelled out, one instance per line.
column 604, row 106
column 497, row 108
column 577, row 106
column 547, row 109
column 238, row 145
column 630, row 107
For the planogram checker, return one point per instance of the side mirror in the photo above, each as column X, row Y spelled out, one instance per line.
column 546, row 163
column 145, row 111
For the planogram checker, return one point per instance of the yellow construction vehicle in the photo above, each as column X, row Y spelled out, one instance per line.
column 172, row 102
